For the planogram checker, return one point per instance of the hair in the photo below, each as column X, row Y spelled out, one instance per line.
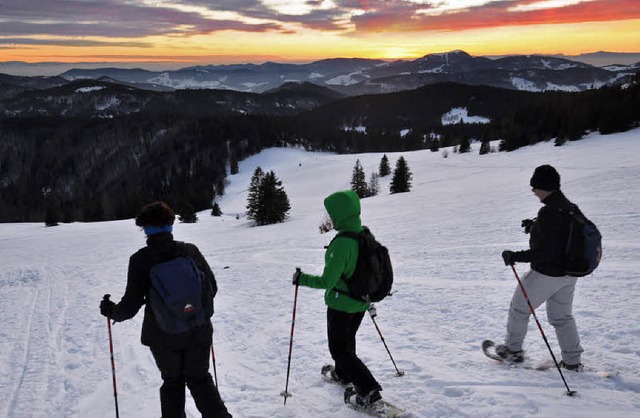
column 156, row 214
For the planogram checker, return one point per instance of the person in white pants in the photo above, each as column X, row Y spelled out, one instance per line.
column 547, row 280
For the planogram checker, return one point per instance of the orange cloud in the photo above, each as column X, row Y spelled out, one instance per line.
column 497, row 14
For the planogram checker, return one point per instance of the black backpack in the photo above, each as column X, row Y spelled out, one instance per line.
column 373, row 277
column 584, row 244
column 178, row 293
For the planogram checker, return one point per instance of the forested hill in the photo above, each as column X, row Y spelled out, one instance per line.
column 95, row 150
column 375, row 122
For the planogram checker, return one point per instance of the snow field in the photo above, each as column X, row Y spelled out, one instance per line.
column 453, row 291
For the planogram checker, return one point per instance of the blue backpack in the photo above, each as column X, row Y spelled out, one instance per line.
column 584, row 244
column 176, row 294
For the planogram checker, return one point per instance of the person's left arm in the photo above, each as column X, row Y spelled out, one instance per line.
column 202, row 264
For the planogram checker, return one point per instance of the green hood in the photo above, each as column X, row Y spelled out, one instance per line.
column 344, row 209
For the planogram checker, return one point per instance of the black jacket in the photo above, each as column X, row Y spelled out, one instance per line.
column 160, row 247
column 549, row 235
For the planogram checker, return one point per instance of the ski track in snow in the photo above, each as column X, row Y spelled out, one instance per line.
column 445, row 238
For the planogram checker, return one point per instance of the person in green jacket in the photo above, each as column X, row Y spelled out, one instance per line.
column 344, row 314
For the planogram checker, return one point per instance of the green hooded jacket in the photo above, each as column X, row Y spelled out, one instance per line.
column 341, row 255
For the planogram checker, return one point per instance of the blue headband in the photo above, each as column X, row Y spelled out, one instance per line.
column 153, row 230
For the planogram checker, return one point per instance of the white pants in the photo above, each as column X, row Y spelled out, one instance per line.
column 558, row 293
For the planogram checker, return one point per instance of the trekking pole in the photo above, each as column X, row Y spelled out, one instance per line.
column 373, row 314
column 286, row 393
column 113, row 365
column 213, row 360
column 533, row 312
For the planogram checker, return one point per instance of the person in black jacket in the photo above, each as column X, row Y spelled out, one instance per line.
column 181, row 358
column 547, row 280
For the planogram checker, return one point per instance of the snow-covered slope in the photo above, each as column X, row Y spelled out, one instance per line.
column 453, row 291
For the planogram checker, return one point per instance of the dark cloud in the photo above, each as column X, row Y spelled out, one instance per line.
column 131, row 19
column 70, row 42
column 108, row 18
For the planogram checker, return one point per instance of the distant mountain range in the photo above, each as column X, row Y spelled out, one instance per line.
column 96, row 149
column 354, row 76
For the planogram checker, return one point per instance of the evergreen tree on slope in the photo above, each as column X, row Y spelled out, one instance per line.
column 275, row 205
column 401, row 180
column 254, row 198
column 358, row 182
column 384, row 169
column 267, row 202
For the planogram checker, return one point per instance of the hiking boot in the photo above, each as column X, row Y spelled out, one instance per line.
column 573, row 367
column 369, row 398
column 511, row 356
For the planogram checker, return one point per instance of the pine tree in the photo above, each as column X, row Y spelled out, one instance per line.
column 384, row 169
column 465, row 145
column 374, row 184
column 358, row 182
column 187, row 214
column 268, row 202
column 215, row 210
column 401, row 180
column 52, row 215
column 253, row 198
column 485, row 147
column 233, row 169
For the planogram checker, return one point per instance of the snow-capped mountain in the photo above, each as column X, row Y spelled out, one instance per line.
column 107, row 98
column 354, row 76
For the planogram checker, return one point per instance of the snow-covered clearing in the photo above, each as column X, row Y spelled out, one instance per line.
column 461, row 115
column 89, row 89
column 453, row 291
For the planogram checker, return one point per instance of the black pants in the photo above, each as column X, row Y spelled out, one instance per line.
column 188, row 366
column 341, row 329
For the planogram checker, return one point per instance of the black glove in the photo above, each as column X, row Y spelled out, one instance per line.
column 106, row 306
column 507, row 256
column 526, row 224
column 296, row 276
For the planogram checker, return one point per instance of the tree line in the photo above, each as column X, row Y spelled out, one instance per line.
column 400, row 180
column 89, row 169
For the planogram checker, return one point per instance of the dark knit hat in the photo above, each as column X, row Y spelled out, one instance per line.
column 155, row 214
column 546, row 178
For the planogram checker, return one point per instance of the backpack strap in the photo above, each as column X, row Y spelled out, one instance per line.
column 347, row 234
column 573, row 212
column 181, row 249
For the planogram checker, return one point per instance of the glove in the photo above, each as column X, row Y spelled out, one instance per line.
column 296, row 276
column 372, row 311
column 106, row 306
column 526, row 224
column 507, row 256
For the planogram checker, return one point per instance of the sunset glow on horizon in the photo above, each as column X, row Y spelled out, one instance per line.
column 240, row 31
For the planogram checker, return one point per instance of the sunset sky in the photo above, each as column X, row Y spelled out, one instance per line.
column 234, row 31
